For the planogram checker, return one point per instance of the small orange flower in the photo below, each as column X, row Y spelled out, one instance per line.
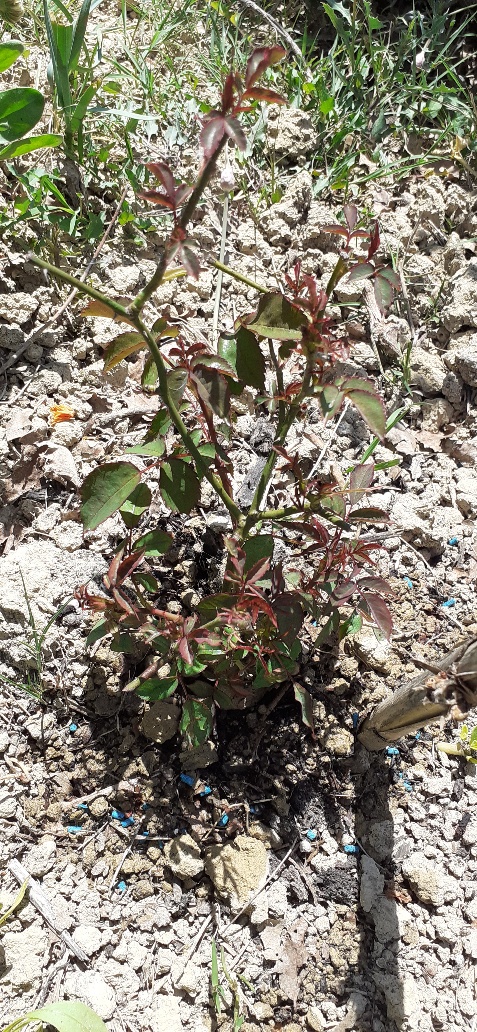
column 61, row 413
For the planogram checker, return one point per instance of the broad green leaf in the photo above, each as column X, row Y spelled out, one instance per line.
column 361, row 478
column 16, row 903
column 179, row 485
column 154, row 543
column 371, row 408
column 122, row 642
column 32, row 143
column 139, row 500
column 105, row 490
column 100, row 310
column 9, row 52
column 149, row 376
column 214, row 388
column 361, row 272
column 303, row 696
column 122, row 346
column 278, row 318
column 196, row 722
column 20, row 109
column 258, row 547
column 249, row 361
column 146, row 581
column 330, row 400
column 215, row 362
column 153, row 448
column 369, row 515
column 351, row 626
column 100, row 629
column 65, row 1016
column 159, row 426
column 156, row 688
column 177, row 382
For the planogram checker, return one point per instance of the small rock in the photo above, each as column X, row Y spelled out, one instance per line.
column 183, row 856
column 469, row 944
column 372, row 883
column 25, row 952
column 99, row 807
column 190, row 979
column 466, row 491
column 88, row 938
column 338, row 741
column 268, row 836
column 161, row 721
column 460, row 310
column 166, row 1015
column 163, row 961
column 292, row 132
column 428, row 880
column 375, row 653
column 315, row 1019
column 402, row 996
column 238, row 870
column 428, row 371
column 142, row 889
column 91, row 988
column 380, row 839
column 469, row 837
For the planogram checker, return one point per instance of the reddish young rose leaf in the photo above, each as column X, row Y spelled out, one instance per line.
column 156, row 197
column 368, row 515
column 228, row 92
column 380, row 612
column 335, row 229
column 289, row 614
column 164, row 174
column 375, row 584
column 371, row 408
column 261, row 59
column 190, row 260
column 184, row 651
column 261, row 93
column 361, row 477
column 374, row 241
column 213, row 388
column 350, row 213
column 183, row 193
column 128, row 565
column 330, row 400
column 362, row 271
column 236, row 133
column 211, row 134
column 303, row 696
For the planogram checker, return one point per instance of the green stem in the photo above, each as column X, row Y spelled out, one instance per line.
column 201, row 465
column 277, row 514
column 187, row 212
column 279, row 440
column 238, row 276
column 54, row 270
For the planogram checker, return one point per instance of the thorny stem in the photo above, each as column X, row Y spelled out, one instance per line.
column 201, row 464
column 282, row 432
column 187, row 212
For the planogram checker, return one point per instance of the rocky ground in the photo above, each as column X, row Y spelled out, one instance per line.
column 341, row 885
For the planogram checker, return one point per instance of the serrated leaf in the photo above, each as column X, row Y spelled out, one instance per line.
column 277, row 318
column 371, row 408
column 67, row 1016
column 360, row 272
column 100, row 629
column 153, row 543
column 179, row 485
column 368, row 515
column 211, row 134
column 122, row 346
column 249, row 360
column 258, row 547
column 177, row 382
column 159, row 425
column 139, row 500
column 262, row 93
column 154, row 449
column 155, row 688
column 214, row 389
column 330, row 400
column 196, row 721
column 303, row 696
column 351, row 626
column 361, row 477
column 146, row 581
column 260, row 59
column 234, row 130
column 104, row 490
column 100, row 310
column 380, row 612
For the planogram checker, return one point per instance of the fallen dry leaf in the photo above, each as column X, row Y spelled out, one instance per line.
column 293, row 958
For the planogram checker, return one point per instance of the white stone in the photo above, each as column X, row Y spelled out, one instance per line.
column 165, row 1016
column 91, row 988
column 371, row 884
column 89, row 938
column 25, row 954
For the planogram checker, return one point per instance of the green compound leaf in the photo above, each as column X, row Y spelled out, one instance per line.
column 156, row 688
column 105, row 490
column 179, row 485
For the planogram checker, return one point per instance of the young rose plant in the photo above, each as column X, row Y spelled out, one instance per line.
column 247, row 638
